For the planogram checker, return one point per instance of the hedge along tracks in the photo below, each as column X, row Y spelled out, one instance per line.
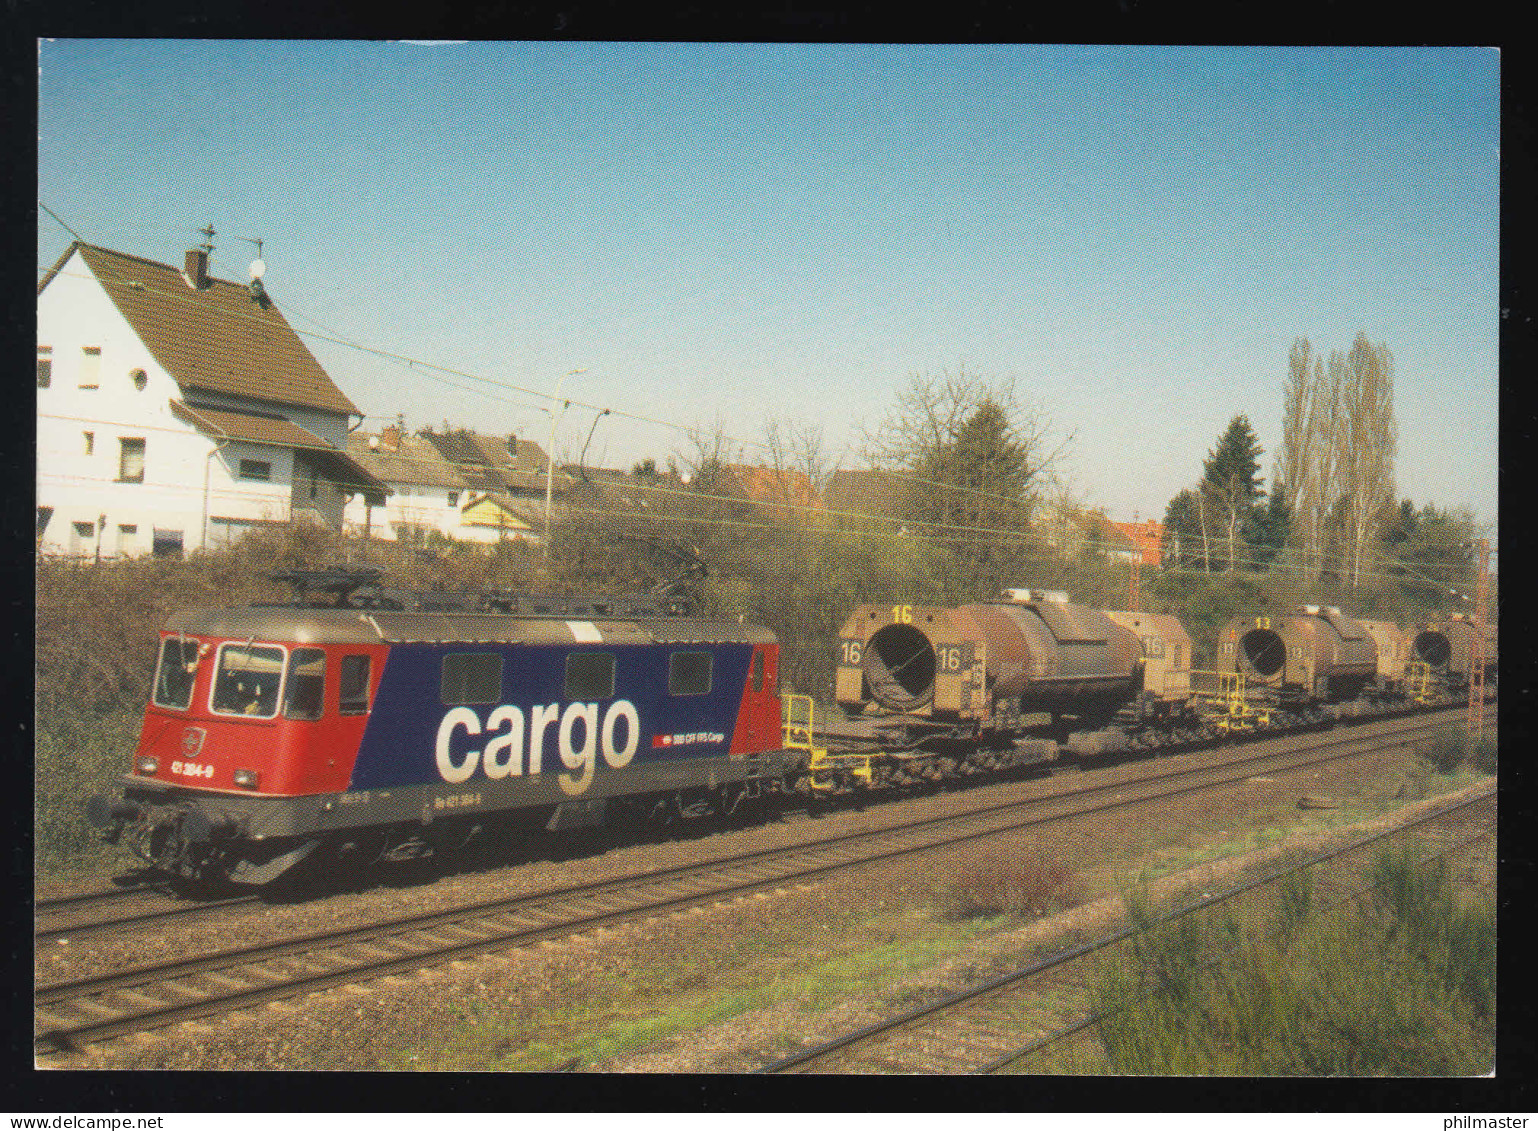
column 75, row 1013
column 991, row 1027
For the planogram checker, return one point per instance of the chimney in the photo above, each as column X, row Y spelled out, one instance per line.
column 390, row 438
column 196, row 268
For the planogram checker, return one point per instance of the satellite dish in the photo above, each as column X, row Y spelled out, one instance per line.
column 258, row 268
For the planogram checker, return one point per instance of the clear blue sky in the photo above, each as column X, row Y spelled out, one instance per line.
column 723, row 233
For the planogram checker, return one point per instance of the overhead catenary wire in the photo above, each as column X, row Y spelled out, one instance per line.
column 432, row 370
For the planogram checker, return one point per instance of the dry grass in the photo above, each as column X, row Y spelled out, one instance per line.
column 1002, row 885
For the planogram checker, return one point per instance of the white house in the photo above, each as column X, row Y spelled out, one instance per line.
column 426, row 493
column 176, row 410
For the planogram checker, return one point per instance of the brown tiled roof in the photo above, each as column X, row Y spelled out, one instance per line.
column 413, row 460
column 278, row 433
column 488, row 465
column 217, row 339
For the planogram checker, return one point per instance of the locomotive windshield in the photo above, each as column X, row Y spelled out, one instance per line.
column 175, row 674
column 247, row 681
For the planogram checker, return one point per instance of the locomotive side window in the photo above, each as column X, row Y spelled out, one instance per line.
column 758, row 670
column 306, row 697
column 589, row 675
column 248, row 680
column 471, row 677
column 354, row 689
column 174, row 676
column 689, row 673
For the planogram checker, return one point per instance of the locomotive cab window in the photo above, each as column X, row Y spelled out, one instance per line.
column 248, row 680
column 174, row 676
column 471, row 677
column 589, row 675
column 353, row 693
column 306, row 696
column 758, row 670
column 689, row 673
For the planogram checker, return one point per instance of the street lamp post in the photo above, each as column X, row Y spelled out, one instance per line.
column 550, row 454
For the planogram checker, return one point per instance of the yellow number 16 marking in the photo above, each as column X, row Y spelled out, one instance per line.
column 902, row 614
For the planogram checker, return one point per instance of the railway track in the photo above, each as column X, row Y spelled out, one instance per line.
column 88, row 913
column 74, row 1013
column 145, row 903
column 993, row 1025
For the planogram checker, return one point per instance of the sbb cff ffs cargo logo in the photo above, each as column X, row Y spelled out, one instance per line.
column 583, row 732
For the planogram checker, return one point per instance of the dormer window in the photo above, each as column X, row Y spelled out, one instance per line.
column 44, row 366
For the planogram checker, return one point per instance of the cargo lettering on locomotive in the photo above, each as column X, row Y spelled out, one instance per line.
column 583, row 731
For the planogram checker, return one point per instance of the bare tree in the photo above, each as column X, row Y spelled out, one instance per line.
column 1366, row 443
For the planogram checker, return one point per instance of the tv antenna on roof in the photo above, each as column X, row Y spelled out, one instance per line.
column 208, row 234
column 258, row 268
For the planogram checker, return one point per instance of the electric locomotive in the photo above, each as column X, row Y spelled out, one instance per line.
column 274, row 730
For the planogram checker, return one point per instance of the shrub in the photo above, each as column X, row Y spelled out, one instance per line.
column 1002, row 885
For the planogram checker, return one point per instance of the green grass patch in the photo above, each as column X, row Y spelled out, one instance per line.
column 1398, row 984
column 653, row 1001
column 75, row 757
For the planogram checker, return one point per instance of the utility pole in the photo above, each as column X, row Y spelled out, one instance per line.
column 1134, row 596
column 1476, row 724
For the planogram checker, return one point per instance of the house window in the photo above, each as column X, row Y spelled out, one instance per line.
column 90, row 367
column 90, row 442
column 255, row 469
column 82, row 534
column 453, row 498
column 589, row 675
column 689, row 673
column 470, row 677
column 139, row 378
column 354, row 687
column 130, row 466
column 44, row 514
column 127, row 535
column 167, row 543
column 44, row 366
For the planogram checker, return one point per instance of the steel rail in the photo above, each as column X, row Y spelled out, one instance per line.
column 138, row 975
column 529, row 918
column 1010, row 979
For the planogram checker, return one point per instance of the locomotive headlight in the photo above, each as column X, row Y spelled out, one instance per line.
column 147, row 765
column 250, row 779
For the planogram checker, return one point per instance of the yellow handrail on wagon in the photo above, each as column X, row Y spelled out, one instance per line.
column 798, row 725
column 1237, row 710
column 1418, row 681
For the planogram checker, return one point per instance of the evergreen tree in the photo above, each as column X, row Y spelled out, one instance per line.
column 1230, row 483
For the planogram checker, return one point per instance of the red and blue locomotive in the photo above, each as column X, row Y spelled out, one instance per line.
column 373, row 727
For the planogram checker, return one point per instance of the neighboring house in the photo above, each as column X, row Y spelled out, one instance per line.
column 792, row 489
column 507, row 478
column 1110, row 540
column 1148, row 537
column 426, row 493
column 176, row 411
column 498, row 517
